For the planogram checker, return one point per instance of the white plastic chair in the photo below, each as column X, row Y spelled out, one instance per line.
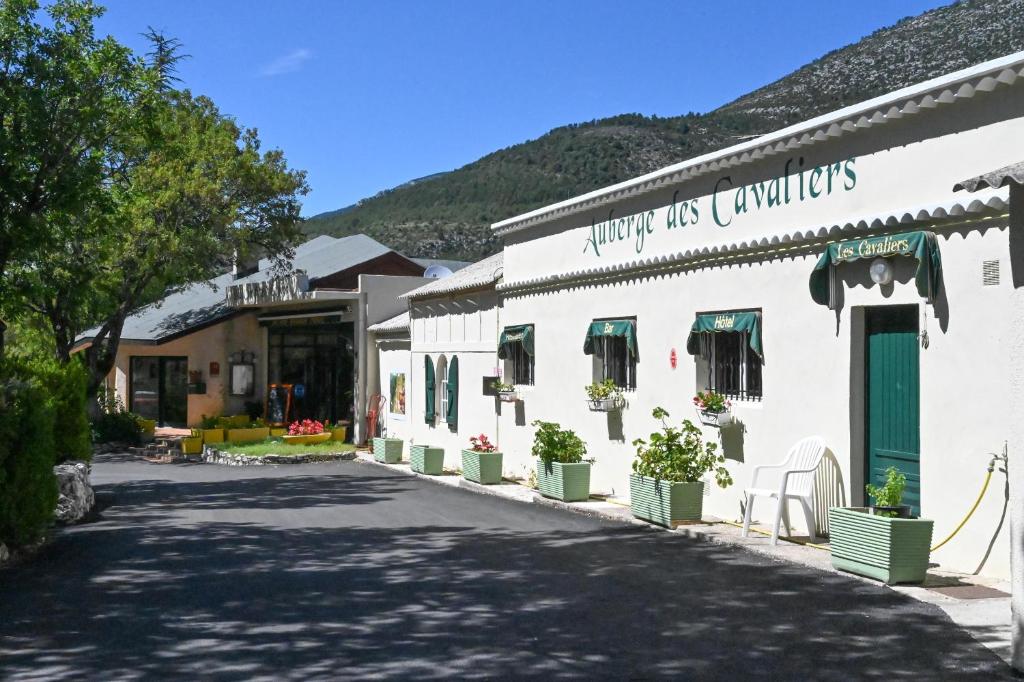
column 796, row 483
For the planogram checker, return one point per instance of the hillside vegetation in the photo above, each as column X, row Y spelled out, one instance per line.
column 448, row 215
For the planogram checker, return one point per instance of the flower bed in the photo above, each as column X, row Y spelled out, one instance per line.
column 276, row 452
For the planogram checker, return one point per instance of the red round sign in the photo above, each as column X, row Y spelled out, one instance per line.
column 672, row 358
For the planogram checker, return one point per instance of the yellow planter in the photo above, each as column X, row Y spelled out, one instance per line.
column 339, row 433
column 147, row 426
column 212, row 435
column 248, row 435
column 277, row 433
column 307, row 440
column 193, row 445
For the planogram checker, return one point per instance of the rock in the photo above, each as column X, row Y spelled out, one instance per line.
column 76, row 495
column 5, row 553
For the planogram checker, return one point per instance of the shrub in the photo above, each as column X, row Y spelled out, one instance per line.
column 65, row 386
column 679, row 455
column 552, row 443
column 28, row 487
column 115, row 424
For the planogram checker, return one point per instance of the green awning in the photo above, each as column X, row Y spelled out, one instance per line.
column 521, row 334
column 730, row 321
column 920, row 245
column 623, row 328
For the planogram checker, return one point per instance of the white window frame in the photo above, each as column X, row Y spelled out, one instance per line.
column 441, row 383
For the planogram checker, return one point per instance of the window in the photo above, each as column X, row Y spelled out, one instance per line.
column 442, row 389
column 734, row 370
column 519, row 365
column 612, row 360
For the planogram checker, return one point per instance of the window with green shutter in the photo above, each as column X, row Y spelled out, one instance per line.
column 452, row 409
column 428, row 388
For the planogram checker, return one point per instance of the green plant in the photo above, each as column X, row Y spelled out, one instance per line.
column 502, row 388
column 115, row 424
column 208, row 422
column 890, row 494
column 603, row 390
column 552, row 443
column 28, row 488
column 65, row 390
column 679, row 455
column 709, row 401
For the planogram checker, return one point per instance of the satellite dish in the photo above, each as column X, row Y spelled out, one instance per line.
column 437, row 272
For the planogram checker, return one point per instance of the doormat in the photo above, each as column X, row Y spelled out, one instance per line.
column 969, row 592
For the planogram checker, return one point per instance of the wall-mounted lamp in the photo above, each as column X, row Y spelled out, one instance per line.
column 881, row 271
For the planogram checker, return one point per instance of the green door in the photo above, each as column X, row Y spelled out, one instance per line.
column 893, row 429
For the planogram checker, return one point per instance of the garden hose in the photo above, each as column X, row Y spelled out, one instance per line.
column 988, row 477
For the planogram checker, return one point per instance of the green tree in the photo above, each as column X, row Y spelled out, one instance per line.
column 63, row 97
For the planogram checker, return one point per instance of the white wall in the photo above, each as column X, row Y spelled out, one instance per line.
column 393, row 356
column 464, row 326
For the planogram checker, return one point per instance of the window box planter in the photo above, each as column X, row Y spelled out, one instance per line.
column 339, row 433
column 508, row 396
column 892, row 550
column 664, row 503
column 604, row 404
column 307, row 439
column 197, row 388
column 248, row 435
column 481, row 467
column 562, row 481
column 192, row 445
column 715, row 419
column 212, row 435
column 426, row 459
column 387, row 450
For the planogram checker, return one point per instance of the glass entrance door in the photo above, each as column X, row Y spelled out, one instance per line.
column 158, row 389
column 318, row 361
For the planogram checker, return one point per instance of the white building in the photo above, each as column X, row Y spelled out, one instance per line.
column 774, row 236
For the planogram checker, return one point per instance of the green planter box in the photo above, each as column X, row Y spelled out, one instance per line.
column 481, row 467
column 565, row 482
column 248, row 435
column 666, row 504
column 890, row 550
column 387, row 450
column 426, row 459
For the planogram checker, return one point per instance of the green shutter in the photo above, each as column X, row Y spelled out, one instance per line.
column 920, row 245
column 599, row 328
column 521, row 334
column 428, row 388
column 453, row 393
column 730, row 321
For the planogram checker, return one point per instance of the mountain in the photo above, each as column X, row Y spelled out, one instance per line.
column 448, row 215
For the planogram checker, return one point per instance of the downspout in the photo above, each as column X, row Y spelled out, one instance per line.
column 361, row 373
column 498, row 274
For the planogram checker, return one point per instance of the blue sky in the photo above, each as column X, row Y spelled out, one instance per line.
column 367, row 95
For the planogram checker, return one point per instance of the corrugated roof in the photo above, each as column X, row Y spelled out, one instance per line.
column 998, row 178
column 478, row 275
column 397, row 323
column 910, row 101
column 204, row 303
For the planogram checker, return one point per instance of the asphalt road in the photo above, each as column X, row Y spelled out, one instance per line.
column 348, row 570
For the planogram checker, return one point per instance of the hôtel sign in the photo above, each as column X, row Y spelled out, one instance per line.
column 727, row 202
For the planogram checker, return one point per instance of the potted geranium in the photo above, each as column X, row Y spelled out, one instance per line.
column 561, row 472
column 714, row 408
column 506, row 392
column 481, row 462
column 387, row 450
column 666, row 486
column 305, row 432
column 604, row 396
column 881, row 541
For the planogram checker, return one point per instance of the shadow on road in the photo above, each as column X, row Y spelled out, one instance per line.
column 149, row 592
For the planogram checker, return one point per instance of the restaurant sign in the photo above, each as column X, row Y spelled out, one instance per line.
column 728, row 202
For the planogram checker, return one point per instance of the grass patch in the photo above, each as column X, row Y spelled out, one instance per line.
column 275, row 446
